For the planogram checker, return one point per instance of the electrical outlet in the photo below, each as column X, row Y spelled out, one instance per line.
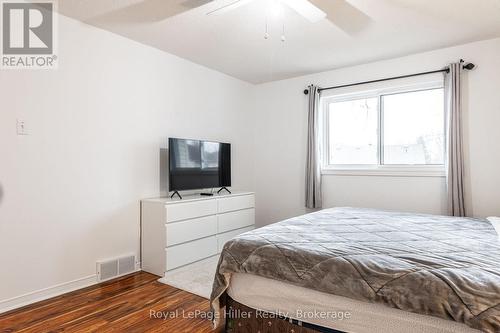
column 21, row 127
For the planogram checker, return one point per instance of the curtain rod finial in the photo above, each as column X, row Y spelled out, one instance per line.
column 306, row 92
column 469, row 66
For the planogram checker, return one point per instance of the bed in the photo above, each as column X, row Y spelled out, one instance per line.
column 390, row 271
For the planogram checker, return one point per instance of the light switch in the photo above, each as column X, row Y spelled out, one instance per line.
column 21, row 127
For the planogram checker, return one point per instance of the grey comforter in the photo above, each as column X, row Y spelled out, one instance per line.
column 435, row 265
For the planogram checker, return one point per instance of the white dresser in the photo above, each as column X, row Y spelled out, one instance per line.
column 178, row 232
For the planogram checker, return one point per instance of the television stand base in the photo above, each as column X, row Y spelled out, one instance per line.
column 175, row 192
column 207, row 194
column 223, row 188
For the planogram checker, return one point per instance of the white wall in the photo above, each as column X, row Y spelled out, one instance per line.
column 71, row 188
column 282, row 125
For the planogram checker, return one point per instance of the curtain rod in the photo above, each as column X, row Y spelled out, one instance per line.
column 467, row 66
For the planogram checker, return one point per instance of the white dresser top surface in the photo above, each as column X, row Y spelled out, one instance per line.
column 195, row 197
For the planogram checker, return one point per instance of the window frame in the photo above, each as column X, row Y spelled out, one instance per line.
column 379, row 169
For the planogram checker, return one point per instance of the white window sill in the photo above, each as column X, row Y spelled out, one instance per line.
column 386, row 171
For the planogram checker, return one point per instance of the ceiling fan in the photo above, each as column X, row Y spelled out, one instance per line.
column 339, row 12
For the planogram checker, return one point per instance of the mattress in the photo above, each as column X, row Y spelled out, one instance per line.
column 336, row 312
column 442, row 266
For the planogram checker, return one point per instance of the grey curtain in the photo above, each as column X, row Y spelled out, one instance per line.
column 454, row 143
column 313, row 164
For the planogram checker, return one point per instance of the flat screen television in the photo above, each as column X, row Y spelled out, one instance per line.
column 196, row 164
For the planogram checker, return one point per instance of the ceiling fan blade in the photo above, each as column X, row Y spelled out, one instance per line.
column 344, row 15
column 306, row 9
column 232, row 4
column 128, row 11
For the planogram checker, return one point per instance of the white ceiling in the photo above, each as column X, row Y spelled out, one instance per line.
column 233, row 43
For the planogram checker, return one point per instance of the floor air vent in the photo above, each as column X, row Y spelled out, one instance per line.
column 109, row 269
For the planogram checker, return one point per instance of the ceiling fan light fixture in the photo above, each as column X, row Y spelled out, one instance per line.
column 275, row 9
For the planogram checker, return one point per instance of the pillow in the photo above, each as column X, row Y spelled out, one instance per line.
column 495, row 221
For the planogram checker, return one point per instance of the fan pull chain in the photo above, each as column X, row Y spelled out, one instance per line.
column 266, row 35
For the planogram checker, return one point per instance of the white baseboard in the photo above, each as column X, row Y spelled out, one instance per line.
column 43, row 294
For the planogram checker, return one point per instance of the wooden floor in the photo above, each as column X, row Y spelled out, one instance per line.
column 122, row 305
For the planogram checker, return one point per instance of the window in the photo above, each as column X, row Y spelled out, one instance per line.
column 353, row 131
column 391, row 130
column 413, row 127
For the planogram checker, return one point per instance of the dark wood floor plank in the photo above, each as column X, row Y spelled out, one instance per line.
column 121, row 305
column 66, row 303
column 74, row 305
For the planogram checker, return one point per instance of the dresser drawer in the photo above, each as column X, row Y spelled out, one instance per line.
column 190, row 210
column 223, row 238
column 235, row 203
column 187, row 230
column 183, row 254
column 235, row 220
